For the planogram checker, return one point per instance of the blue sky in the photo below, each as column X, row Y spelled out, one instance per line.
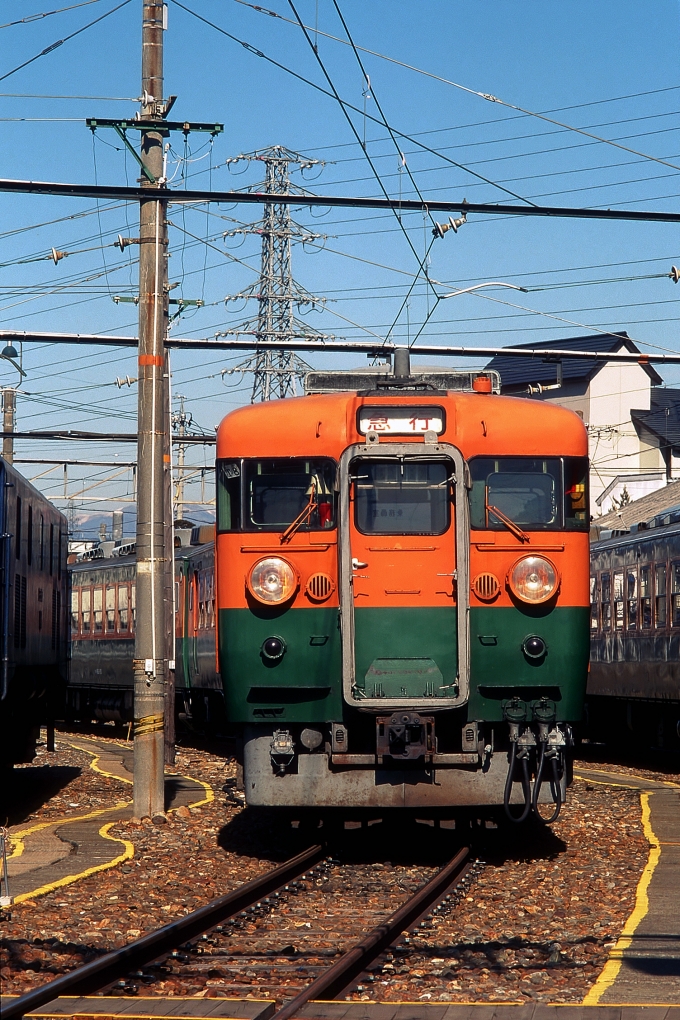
column 610, row 68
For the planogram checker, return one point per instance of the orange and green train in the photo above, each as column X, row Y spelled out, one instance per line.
column 402, row 587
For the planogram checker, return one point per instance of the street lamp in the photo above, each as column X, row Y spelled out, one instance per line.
column 478, row 286
column 10, row 353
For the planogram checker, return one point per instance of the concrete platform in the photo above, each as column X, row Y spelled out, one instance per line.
column 480, row 1011
column 140, row 1007
column 48, row 855
column 158, row 1008
column 644, row 965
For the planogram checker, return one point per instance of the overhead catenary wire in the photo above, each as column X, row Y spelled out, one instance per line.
column 484, row 95
column 37, row 95
column 48, row 14
column 349, row 106
column 60, row 42
column 421, row 262
column 411, row 67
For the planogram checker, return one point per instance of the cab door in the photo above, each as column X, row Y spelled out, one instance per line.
column 404, row 533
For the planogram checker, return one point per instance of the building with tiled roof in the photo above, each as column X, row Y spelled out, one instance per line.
column 633, row 421
column 641, row 511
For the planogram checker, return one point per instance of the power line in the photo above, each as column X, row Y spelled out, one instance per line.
column 428, row 74
column 349, row 106
column 47, row 14
column 236, row 197
column 489, row 97
column 60, row 42
column 34, row 95
column 421, row 262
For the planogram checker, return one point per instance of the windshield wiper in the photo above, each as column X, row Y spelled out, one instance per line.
column 509, row 524
column 302, row 517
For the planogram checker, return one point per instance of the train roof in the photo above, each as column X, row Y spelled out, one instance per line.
column 327, row 423
column 11, row 473
column 113, row 562
column 102, row 562
column 618, row 540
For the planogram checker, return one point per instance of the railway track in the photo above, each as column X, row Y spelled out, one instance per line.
column 215, row 939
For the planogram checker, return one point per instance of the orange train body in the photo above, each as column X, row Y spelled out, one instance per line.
column 404, row 608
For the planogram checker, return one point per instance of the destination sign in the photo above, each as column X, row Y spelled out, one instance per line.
column 401, row 421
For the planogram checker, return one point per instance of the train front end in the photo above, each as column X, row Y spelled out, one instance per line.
column 402, row 578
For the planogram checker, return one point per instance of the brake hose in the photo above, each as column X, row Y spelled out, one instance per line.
column 526, row 786
column 537, row 788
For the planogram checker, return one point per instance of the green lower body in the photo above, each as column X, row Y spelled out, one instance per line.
column 404, row 652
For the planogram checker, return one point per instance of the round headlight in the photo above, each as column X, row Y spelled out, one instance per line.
column 272, row 580
column 533, row 579
column 273, row 648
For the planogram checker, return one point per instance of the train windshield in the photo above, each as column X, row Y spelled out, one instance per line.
column 537, row 493
column 402, row 498
column 273, row 494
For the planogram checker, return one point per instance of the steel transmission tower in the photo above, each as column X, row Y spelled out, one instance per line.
column 275, row 373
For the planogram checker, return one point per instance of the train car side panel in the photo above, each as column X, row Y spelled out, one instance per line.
column 34, row 586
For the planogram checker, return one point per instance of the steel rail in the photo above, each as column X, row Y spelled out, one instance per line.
column 99, row 973
column 335, row 980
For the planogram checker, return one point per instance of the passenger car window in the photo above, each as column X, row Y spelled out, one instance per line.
column 122, row 607
column 110, row 608
column 280, row 490
column 675, row 594
column 228, row 495
column 401, row 498
column 632, row 597
column 273, row 494
column 645, row 597
column 618, row 600
column 606, row 586
column 75, row 599
column 85, row 596
column 537, row 493
column 594, row 607
column 660, row 614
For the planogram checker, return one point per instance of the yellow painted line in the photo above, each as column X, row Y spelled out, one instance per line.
column 621, row 775
column 17, row 838
column 93, row 764
column 68, row 819
column 209, row 794
column 17, row 846
column 612, row 967
column 421, row 1002
column 126, row 855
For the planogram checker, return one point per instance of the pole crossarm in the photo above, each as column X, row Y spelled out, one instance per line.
column 134, row 194
column 151, row 124
column 370, row 348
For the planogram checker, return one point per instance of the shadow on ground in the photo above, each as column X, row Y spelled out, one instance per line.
column 24, row 790
column 387, row 838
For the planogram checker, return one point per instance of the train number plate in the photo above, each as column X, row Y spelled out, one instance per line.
column 401, row 421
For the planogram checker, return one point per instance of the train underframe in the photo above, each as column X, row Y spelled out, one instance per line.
column 196, row 709
column 646, row 722
column 516, row 764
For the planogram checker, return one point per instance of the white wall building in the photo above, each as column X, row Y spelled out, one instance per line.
column 633, row 422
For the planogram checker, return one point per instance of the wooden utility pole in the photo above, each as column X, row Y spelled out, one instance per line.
column 170, row 607
column 8, row 409
column 151, row 638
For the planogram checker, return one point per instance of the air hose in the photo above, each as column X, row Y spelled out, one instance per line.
column 526, row 786
column 556, row 783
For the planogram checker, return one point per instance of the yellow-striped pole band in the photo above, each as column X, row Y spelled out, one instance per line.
column 148, row 724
